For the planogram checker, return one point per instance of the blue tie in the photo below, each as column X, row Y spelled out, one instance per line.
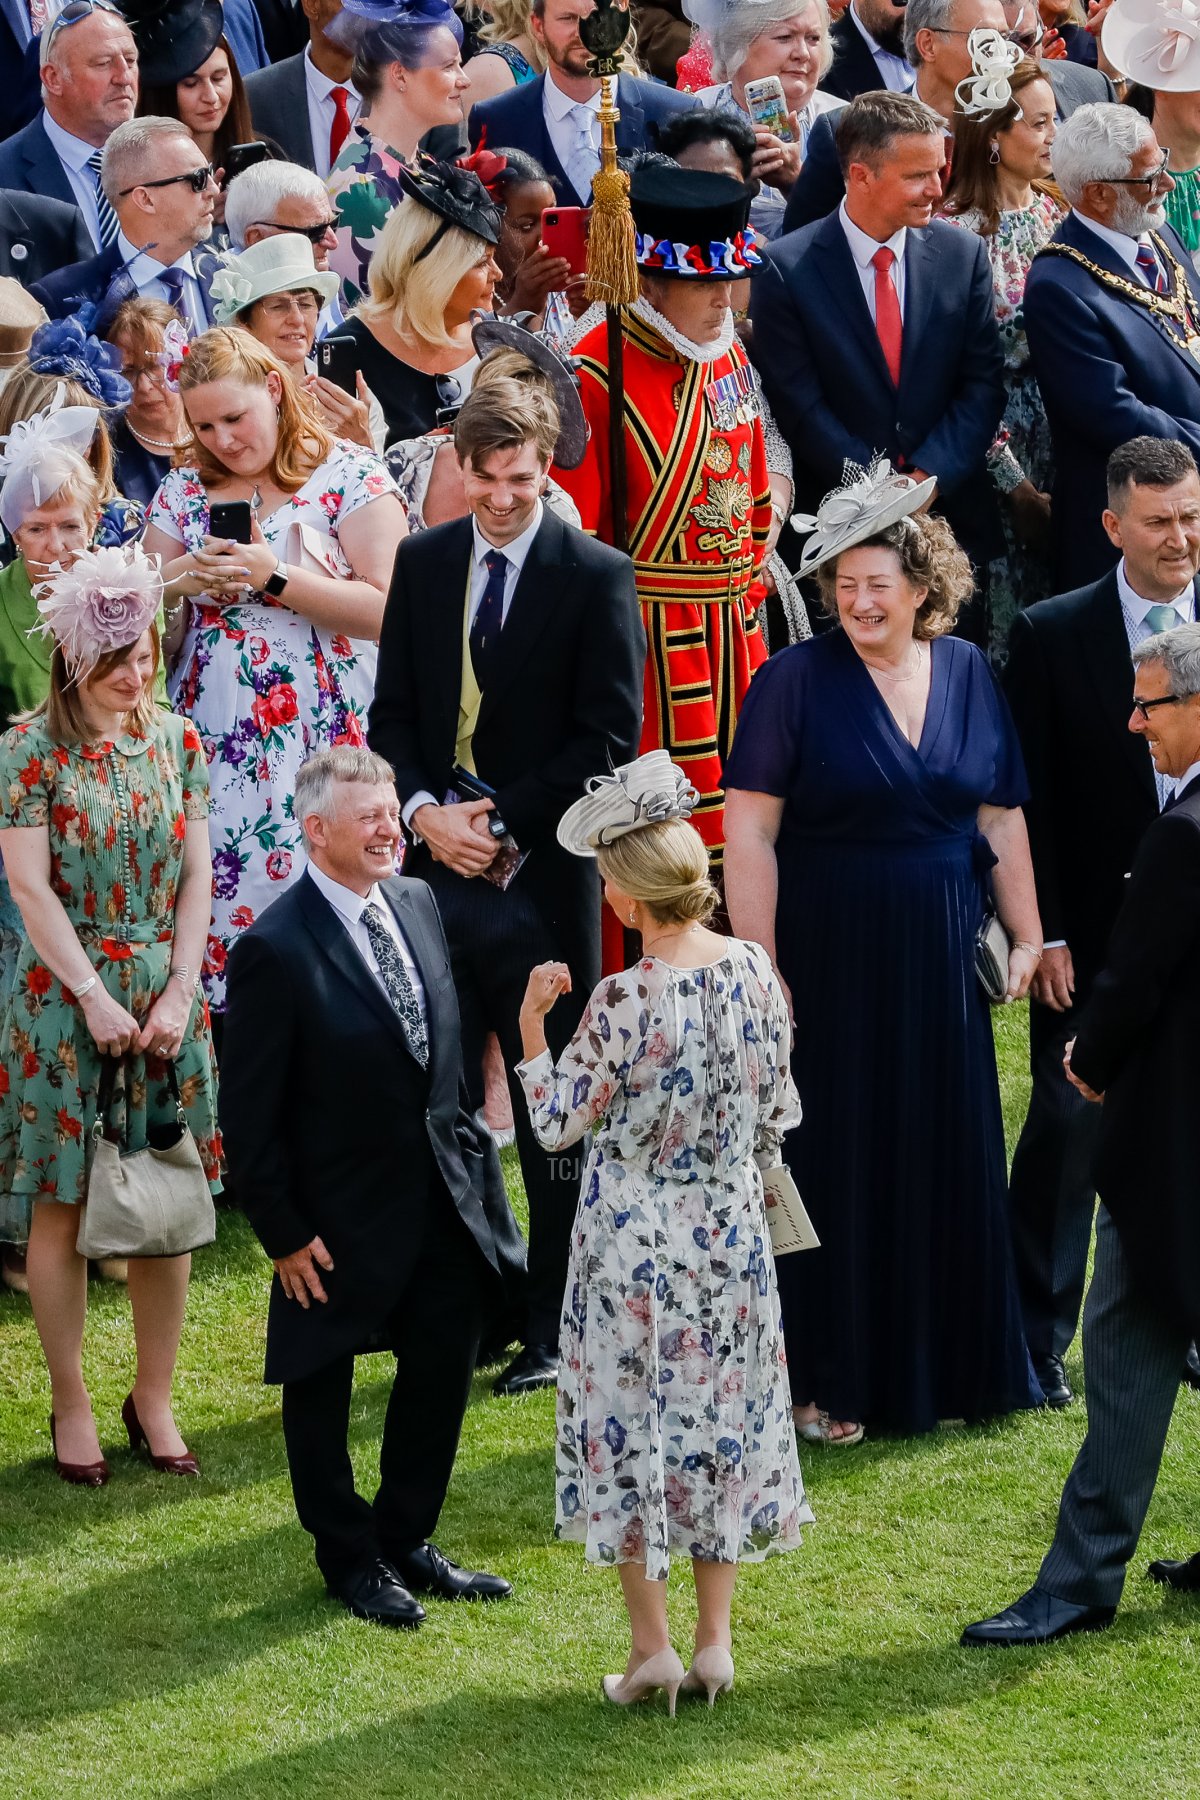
column 489, row 618
column 107, row 219
column 1151, row 268
column 172, row 281
column 1161, row 618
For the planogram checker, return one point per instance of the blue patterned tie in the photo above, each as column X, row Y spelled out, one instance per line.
column 396, row 980
column 1151, row 268
column 108, row 221
column 489, row 618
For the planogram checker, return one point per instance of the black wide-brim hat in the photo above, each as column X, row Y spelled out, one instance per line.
column 173, row 37
column 692, row 224
column 490, row 333
column 456, row 195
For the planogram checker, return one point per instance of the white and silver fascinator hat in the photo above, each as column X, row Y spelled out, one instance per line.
column 647, row 791
column 1155, row 42
column 993, row 60
column 866, row 503
column 39, row 454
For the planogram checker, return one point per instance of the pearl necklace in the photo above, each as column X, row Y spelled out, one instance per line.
column 150, row 443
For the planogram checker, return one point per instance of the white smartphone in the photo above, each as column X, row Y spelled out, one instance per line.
column 768, row 108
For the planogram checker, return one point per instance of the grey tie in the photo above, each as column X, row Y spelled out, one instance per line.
column 109, row 223
column 396, row 980
column 1162, row 618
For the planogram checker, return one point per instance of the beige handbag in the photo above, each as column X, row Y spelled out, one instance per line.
column 151, row 1202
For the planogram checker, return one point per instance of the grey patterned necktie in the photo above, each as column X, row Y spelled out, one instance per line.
column 396, row 980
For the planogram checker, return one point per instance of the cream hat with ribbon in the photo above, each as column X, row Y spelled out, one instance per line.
column 275, row 265
column 868, row 501
column 647, row 791
column 1155, row 43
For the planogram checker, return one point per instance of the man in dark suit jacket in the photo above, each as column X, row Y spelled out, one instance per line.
column 549, row 690
column 868, row 51
column 279, row 95
column 19, row 59
column 38, row 236
column 824, row 366
column 1135, row 1050
column 1093, row 793
column 367, row 1183
column 1111, row 362
column 547, row 118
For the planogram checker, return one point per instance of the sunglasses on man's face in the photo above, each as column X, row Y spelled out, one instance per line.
column 314, row 233
column 196, row 179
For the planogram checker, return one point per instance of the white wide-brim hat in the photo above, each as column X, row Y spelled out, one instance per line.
column 275, row 265
column 1155, row 43
column 868, row 501
column 646, row 791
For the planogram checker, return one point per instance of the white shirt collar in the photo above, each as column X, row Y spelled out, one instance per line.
column 1189, row 775
column 71, row 150
column 1125, row 246
column 873, row 44
column 144, row 266
column 323, row 85
column 345, row 902
column 518, row 550
column 560, row 105
column 862, row 247
column 1138, row 608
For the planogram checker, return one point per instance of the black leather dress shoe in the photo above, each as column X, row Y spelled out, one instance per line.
column 1184, row 1577
column 376, row 1593
column 1052, row 1379
column 535, row 1367
column 1037, row 1618
column 427, row 1571
column 1191, row 1367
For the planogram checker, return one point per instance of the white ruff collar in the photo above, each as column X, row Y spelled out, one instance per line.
column 690, row 352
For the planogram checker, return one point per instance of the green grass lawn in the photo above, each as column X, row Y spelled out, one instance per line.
column 165, row 1637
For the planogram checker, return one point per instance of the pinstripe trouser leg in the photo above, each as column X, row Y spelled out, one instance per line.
column 1132, row 1357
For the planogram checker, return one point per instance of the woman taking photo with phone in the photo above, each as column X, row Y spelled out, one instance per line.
column 274, row 637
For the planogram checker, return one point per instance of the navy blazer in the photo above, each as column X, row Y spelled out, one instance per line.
column 1108, row 370
column 824, row 373
column 90, row 281
column 30, row 163
column 39, row 235
column 19, row 59
column 515, row 121
column 854, row 70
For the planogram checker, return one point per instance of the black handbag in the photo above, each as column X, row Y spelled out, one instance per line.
column 149, row 1202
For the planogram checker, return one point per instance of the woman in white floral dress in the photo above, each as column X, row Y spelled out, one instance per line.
column 274, row 642
column 674, row 1411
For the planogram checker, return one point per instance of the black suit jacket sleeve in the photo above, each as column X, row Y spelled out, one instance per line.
column 958, row 443
column 792, row 382
column 262, row 1023
column 1155, row 933
column 820, row 186
column 1028, row 690
column 393, row 727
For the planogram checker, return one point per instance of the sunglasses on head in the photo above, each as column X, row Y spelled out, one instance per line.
column 314, row 233
column 196, row 179
column 80, row 9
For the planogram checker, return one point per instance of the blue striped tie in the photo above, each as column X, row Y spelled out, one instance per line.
column 109, row 223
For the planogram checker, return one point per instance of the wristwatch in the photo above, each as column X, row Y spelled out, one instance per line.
column 275, row 584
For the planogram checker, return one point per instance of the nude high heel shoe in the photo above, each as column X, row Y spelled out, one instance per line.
column 662, row 1670
column 711, row 1671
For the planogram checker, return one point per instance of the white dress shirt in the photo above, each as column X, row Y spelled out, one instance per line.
column 1189, row 775
column 563, row 124
column 322, row 109
column 515, row 554
column 349, row 908
column 863, row 248
column 895, row 73
column 73, row 154
column 145, row 271
column 1133, row 611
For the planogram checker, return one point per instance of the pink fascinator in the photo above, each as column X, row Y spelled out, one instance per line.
column 103, row 602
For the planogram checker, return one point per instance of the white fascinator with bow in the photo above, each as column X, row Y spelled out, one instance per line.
column 103, row 602
column 1155, row 43
column 993, row 60
column 647, row 791
column 866, row 503
column 40, row 454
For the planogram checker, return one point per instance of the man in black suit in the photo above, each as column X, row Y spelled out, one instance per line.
column 555, row 119
column 868, row 50
column 38, row 236
column 367, row 1183
column 1136, row 1051
column 512, row 648
column 874, row 329
column 1093, row 793
column 297, row 101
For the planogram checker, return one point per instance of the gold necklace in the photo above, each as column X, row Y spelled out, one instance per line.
column 911, row 673
column 668, row 936
column 1179, row 308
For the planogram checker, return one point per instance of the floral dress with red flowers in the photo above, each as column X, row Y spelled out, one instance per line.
column 674, row 1411
column 266, row 688
column 117, row 818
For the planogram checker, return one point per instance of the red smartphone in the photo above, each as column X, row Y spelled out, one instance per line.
column 564, row 233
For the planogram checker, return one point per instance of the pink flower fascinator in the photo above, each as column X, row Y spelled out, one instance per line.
column 103, row 602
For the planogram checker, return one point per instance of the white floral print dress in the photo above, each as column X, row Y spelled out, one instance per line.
column 265, row 688
column 674, row 1412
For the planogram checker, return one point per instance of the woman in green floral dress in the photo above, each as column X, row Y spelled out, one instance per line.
column 103, row 828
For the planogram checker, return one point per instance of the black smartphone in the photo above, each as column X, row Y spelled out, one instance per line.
column 471, row 788
column 337, row 360
column 242, row 156
column 231, row 519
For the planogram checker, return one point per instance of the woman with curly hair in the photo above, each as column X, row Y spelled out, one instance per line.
column 873, row 794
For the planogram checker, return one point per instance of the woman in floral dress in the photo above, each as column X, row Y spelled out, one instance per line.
column 1000, row 189
column 674, row 1411
column 274, row 640
column 104, row 797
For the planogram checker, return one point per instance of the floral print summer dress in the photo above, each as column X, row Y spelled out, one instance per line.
column 674, row 1411
column 265, row 688
column 117, row 818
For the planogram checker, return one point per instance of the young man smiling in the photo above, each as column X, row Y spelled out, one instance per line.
column 512, row 650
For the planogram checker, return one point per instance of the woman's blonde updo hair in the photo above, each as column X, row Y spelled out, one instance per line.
column 666, row 868
column 930, row 557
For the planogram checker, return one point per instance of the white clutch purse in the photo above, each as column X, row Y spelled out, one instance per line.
column 788, row 1222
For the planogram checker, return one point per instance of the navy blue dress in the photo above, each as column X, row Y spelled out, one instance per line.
column 908, row 1313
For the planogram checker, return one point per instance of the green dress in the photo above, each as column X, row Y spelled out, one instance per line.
column 117, row 816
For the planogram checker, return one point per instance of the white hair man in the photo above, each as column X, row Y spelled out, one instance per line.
column 271, row 197
column 1112, row 311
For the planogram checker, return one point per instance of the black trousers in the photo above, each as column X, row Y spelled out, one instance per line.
column 434, row 1333
column 1052, row 1195
column 495, row 940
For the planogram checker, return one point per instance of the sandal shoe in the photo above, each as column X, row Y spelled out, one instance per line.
column 817, row 1431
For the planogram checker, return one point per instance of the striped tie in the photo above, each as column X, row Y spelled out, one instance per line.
column 109, row 223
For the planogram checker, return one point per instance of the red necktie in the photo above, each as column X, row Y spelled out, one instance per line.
column 887, row 311
column 339, row 131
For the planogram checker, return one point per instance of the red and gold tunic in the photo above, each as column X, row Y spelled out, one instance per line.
column 699, row 513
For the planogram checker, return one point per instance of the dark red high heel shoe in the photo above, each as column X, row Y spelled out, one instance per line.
column 78, row 1474
column 166, row 1465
